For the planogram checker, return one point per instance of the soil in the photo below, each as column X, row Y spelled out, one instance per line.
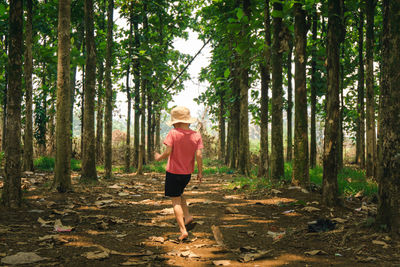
column 128, row 221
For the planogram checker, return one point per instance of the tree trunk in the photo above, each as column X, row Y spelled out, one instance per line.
column 128, row 95
column 100, row 116
column 289, row 149
column 89, row 153
column 11, row 194
column 313, row 100
column 263, row 168
column 158, row 131
column 128, row 125
column 300, row 161
column 235, row 115
column 149, row 126
column 4, row 119
column 370, row 103
column 62, row 172
column 142, row 147
column 277, row 164
column 109, row 94
column 100, row 95
column 136, row 73
column 360, row 135
column 388, row 166
column 244, row 152
column 329, row 181
column 341, row 136
column 221, row 119
column 228, row 142
column 28, row 135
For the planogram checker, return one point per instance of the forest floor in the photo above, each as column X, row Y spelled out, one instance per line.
column 128, row 221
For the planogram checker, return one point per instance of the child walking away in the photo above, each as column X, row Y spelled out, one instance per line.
column 183, row 145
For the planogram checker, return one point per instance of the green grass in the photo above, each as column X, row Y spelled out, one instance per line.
column 48, row 164
column 350, row 181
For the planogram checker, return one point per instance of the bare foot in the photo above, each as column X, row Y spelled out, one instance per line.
column 183, row 236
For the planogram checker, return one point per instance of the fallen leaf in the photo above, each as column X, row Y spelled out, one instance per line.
column 44, row 223
column 115, row 186
column 310, row 209
column 167, row 211
column 377, row 242
column 22, row 258
column 123, row 194
column 315, row 252
column 339, row 220
column 222, row 263
column 255, row 256
column 157, row 239
column 251, row 233
column 276, row 235
column 189, row 254
column 96, row 255
column 231, row 210
column 274, row 191
column 218, row 235
column 59, row 227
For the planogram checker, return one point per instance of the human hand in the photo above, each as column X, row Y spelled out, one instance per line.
column 199, row 177
column 156, row 156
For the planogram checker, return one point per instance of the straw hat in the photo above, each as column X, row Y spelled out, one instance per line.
column 180, row 114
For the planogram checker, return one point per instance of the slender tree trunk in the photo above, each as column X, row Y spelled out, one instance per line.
column 100, row 116
column 100, row 94
column 109, row 94
column 89, row 153
column 329, row 181
column 4, row 119
column 128, row 95
column 83, row 103
column 142, row 146
column 313, row 100
column 289, row 149
column 62, row 172
column 300, row 161
column 228, row 142
column 370, row 103
column 235, row 115
column 244, row 152
column 221, row 119
column 388, row 166
column 341, row 136
column 277, row 164
column 11, row 194
column 263, row 168
column 28, row 136
column 158, row 131
column 360, row 136
column 149, row 126
column 128, row 126
column 136, row 73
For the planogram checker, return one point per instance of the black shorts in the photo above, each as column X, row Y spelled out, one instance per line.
column 175, row 184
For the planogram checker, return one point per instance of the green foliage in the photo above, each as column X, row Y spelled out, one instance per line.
column 44, row 163
column 48, row 164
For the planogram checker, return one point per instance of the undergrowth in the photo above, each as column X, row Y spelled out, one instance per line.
column 350, row 181
column 48, row 164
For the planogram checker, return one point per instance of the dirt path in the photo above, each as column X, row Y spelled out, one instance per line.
column 128, row 221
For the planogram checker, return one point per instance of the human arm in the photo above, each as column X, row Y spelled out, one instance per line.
column 199, row 158
column 164, row 155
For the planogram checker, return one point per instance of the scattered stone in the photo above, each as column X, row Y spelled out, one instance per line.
column 222, row 263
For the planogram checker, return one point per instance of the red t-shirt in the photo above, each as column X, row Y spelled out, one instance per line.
column 184, row 144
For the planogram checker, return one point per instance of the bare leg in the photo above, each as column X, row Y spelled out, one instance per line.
column 176, row 203
column 186, row 214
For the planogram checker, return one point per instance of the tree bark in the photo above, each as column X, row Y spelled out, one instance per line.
column 62, row 172
column 329, row 181
column 289, row 149
column 313, row 100
column 244, row 152
column 149, row 126
column 136, row 73
column 235, row 115
column 300, row 161
column 128, row 95
column 11, row 194
column 221, row 119
column 360, row 135
column 89, row 152
column 263, row 168
column 28, row 135
column 109, row 94
column 277, row 164
column 388, row 166
column 370, row 101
